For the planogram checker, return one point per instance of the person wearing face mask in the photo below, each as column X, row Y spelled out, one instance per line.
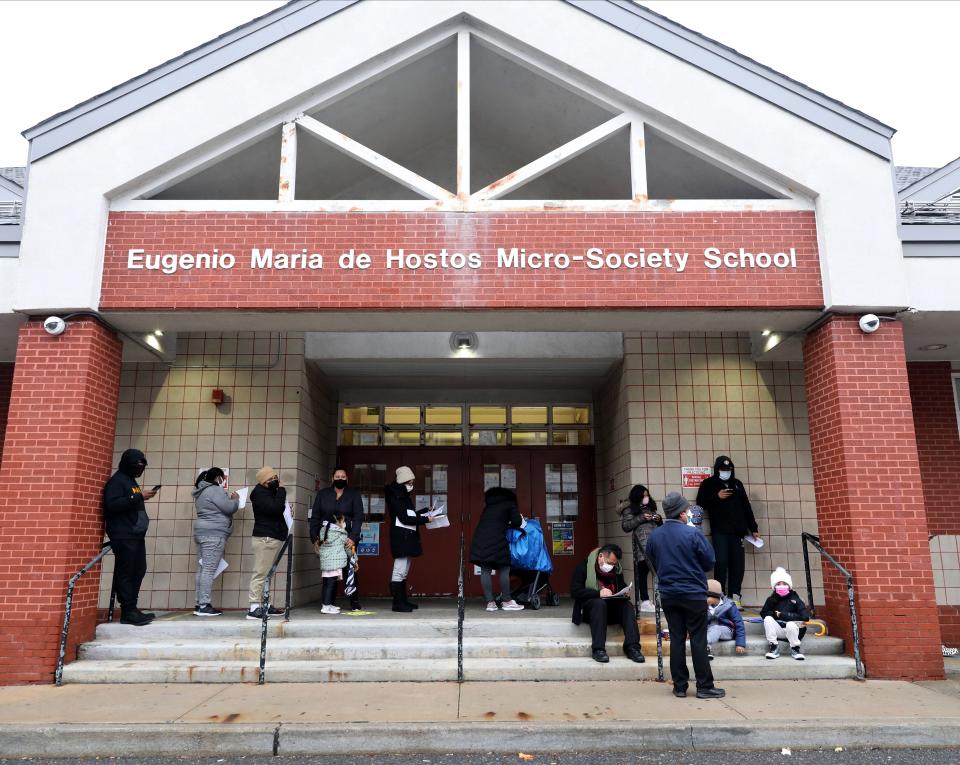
column 784, row 614
column 681, row 557
column 731, row 519
column 125, row 516
column 269, row 533
column 211, row 529
column 641, row 517
column 339, row 499
column 405, row 522
column 592, row 587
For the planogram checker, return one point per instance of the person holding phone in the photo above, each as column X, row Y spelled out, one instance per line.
column 594, row 587
column 731, row 519
column 126, row 520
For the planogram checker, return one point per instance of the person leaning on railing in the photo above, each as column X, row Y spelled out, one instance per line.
column 269, row 499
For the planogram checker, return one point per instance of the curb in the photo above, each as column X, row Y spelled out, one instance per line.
column 185, row 739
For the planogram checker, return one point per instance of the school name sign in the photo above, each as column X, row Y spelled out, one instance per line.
column 501, row 258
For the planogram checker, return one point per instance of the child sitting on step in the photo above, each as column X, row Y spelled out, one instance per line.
column 332, row 551
column 784, row 614
column 723, row 620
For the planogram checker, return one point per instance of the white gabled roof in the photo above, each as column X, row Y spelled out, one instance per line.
column 725, row 63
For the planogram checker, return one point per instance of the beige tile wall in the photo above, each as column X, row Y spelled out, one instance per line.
column 167, row 412
column 681, row 400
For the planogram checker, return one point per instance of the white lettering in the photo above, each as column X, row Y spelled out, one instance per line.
column 261, row 260
column 712, row 257
column 134, row 258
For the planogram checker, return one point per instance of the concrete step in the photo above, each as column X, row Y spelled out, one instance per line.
column 431, row 670
column 377, row 648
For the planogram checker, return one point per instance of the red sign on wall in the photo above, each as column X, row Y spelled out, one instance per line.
column 395, row 261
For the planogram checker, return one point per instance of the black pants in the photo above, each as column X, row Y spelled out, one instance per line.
column 688, row 617
column 603, row 611
column 329, row 590
column 130, row 566
column 640, row 570
column 728, row 570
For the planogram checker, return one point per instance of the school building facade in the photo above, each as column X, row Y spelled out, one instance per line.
column 561, row 246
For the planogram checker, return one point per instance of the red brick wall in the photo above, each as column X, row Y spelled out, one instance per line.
column 380, row 288
column 6, row 383
column 938, row 441
column 57, row 455
column 869, row 497
column 950, row 625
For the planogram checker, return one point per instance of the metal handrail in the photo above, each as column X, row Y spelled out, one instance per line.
column 656, row 603
column 461, row 606
column 286, row 547
column 855, row 627
column 68, row 610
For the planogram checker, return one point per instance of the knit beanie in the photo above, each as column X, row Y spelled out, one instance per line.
column 674, row 504
column 781, row 575
column 265, row 474
column 404, row 474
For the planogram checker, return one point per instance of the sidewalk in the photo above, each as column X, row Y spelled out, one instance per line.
column 95, row 720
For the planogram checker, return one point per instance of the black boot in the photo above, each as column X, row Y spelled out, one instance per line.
column 133, row 616
column 399, row 603
column 403, row 591
column 355, row 602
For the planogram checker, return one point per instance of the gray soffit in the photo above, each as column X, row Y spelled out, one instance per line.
column 737, row 69
column 86, row 118
column 722, row 62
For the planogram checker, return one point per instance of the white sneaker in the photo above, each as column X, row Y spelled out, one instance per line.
column 329, row 610
column 512, row 605
column 796, row 654
column 492, row 606
column 646, row 607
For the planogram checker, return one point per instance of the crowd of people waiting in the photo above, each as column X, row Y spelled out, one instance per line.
column 671, row 546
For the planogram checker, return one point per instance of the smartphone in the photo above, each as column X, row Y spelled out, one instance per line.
column 157, row 487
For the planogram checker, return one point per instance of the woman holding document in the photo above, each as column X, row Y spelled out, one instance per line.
column 405, row 545
column 213, row 526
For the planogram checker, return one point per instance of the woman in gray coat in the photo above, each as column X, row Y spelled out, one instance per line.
column 641, row 517
column 214, row 523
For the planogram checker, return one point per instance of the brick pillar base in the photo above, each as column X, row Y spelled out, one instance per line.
column 57, row 455
column 870, row 508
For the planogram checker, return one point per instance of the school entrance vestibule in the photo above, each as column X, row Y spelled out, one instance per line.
column 553, row 484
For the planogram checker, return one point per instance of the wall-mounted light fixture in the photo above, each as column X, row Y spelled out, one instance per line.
column 464, row 342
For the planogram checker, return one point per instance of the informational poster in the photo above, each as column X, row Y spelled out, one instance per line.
column 692, row 477
column 369, row 539
column 562, row 535
column 508, row 477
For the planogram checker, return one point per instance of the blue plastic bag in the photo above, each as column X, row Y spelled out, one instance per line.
column 528, row 551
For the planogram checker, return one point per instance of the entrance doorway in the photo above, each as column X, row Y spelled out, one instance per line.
column 553, row 484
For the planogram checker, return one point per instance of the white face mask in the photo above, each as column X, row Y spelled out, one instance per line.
column 725, row 475
column 646, row 501
column 606, row 568
column 409, row 487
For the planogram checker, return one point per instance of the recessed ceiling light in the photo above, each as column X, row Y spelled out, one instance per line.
column 933, row 347
column 765, row 333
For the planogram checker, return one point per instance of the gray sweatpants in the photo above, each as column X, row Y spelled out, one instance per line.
column 716, row 632
column 209, row 553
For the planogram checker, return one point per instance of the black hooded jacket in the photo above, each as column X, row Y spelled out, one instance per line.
column 489, row 548
column 268, row 505
column 732, row 515
column 404, row 542
column 123, row 508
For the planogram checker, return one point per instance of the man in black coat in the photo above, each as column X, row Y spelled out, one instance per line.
column 339, row 498
column 126, row 520
column 594, row 582
column 405, row 521
column 731, row 519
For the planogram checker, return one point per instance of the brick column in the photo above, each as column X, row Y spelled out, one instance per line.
column 57, row 454
column 870, row 508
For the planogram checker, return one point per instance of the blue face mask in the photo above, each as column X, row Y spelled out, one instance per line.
column 725, row 475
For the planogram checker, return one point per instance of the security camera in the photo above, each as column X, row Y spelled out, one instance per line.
column 54, row 325
column 869, row 323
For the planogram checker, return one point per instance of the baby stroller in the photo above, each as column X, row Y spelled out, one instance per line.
column 530, row 562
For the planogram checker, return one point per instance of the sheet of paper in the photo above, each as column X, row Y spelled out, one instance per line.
column 439, row 522
column 758, row 543
column 243, row 494
column 221, row 567
column 288, row 516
